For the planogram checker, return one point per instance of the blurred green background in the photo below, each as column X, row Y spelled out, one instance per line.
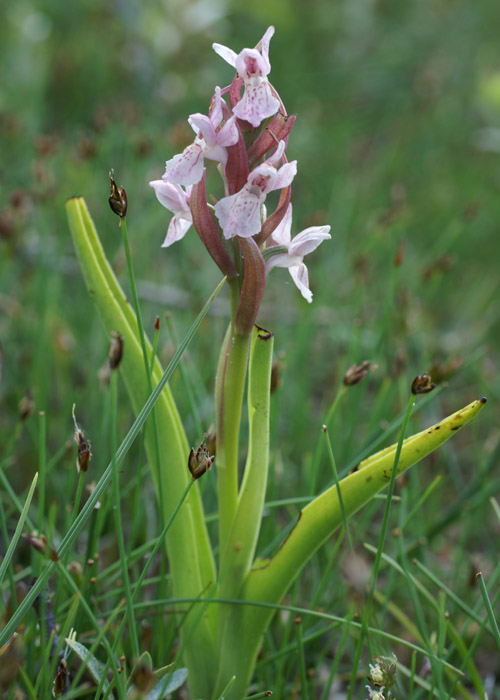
column 397, row 140
column 398, row 146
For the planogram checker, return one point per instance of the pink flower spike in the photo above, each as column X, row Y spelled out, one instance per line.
column 294, row 251
column 211, row 142
column 176, row 200
column 258, row 101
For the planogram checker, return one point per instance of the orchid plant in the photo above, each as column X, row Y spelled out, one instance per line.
column 228, row 605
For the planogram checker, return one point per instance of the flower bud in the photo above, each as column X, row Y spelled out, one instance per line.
column 117, row 198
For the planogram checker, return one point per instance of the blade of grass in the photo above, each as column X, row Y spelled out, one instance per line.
column 302, row 660
column 337, row 484
column 15, row 539
column 489, row 608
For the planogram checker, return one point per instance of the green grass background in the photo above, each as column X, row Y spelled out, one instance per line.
column 398, row 146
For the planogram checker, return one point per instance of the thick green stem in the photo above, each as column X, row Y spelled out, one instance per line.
column 229, row 389
column 240, row 549
column 239, row 553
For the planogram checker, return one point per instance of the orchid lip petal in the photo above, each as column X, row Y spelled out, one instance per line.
column 186, row 168
column 258, row 103
column 176, row 231
column 239, row 214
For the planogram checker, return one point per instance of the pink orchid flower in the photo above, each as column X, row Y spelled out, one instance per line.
column 258, row 101
column 240, row 213
column 292, row 257
column 211, row 142
column 176, row 200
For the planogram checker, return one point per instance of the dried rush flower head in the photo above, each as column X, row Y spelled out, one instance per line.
column 247, row 137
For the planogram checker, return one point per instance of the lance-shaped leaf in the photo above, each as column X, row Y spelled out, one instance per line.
column 277, row 130
column 252, row 290
column 189, row 551
column 269, row 580
column 321, row 517
column 207, row 230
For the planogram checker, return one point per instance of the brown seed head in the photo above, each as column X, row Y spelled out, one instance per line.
column 115, row 350
column 356, row 373
column 422, row 384
column 199, row 461
column 117, row 198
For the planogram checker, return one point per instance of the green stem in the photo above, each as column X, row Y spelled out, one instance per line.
column 78, row 497
column 229, row 389
column 302, row 659
column 42, row 465
column 239, row 553
column 242, row 541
